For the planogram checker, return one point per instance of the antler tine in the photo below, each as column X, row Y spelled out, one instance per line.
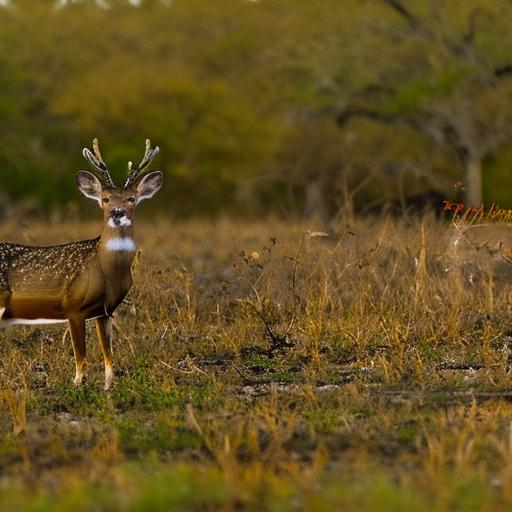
column 97, row 162
column 149, row 154
column 96, row 149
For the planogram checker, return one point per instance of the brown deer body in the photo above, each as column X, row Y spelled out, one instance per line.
column 83, row 280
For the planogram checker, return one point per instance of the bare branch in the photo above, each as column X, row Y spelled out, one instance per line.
column 354, row 112
column 463, row 48
column 404, row 13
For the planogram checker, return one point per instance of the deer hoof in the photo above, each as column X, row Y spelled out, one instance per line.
column 109, row 377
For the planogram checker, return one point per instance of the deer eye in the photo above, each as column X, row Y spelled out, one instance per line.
column 131, row 199
column 105, row 199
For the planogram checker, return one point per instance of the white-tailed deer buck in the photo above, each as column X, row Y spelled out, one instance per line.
column 82, row 280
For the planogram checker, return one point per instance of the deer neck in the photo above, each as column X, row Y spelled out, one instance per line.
column 116, row 253
column 117, row 246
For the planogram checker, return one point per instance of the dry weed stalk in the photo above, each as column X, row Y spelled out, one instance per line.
column 17, row 404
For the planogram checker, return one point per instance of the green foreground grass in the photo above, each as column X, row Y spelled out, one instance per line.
column 265, row 366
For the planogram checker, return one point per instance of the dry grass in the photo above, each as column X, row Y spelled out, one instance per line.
column 264, row 366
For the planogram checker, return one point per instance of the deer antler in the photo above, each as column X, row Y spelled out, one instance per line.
column 97, row 162
column 134, row 174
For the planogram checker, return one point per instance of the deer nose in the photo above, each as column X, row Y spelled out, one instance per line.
column 117, row 213
column 118, row 217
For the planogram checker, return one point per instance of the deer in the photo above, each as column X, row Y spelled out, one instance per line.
column 84, row 280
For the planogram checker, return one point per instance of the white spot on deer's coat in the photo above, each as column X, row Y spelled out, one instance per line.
column 121, row 244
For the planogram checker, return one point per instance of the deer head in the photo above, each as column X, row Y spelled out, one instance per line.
column 118, row 203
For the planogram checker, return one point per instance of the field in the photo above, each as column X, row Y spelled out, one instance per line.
column 271, row 366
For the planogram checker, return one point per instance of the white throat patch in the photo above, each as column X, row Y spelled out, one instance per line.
column 120, row 244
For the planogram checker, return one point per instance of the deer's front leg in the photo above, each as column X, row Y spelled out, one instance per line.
column 105, row 335
column 77, row 329
column 5, row 296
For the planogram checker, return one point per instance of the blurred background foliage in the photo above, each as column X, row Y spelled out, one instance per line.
column 266, row 106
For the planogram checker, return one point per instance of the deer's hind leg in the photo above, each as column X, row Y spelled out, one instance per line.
column 105, row 334
column 77, row 329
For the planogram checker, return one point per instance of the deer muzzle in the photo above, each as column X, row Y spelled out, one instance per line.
column 118, row 218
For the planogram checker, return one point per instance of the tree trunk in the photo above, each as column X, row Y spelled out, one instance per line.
column 314, row 206
column 473, row 180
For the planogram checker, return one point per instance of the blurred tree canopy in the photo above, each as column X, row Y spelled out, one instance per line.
column 259, row 106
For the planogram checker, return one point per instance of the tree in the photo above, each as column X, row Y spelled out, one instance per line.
column 445, row 76
column 293, row 104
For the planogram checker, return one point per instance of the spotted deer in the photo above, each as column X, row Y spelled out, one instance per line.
column 84, row 280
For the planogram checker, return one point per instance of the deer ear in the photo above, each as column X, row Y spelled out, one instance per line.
column 89, row 185
column 149, row 185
